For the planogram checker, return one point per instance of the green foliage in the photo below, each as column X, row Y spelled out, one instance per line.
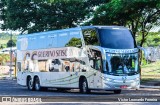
column 151, row 69
column 76, row 42
column 138, row 15
column 90, row 37
column 4, row 38
column 152, row 40
column 4, row 58
column 11, row 43
column 43, row 15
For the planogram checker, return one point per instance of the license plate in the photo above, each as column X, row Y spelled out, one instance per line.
column 123, row 86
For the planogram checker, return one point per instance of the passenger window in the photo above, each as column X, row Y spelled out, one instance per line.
column 42, row 65
column 74, row 40
column 90, row 37
column 95, row 60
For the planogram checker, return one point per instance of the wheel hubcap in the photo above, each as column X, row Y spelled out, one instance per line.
column 30, row 84
column 37, row 86
column 84, row 87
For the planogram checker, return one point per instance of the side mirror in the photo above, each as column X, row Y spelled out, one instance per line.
column 145, row 52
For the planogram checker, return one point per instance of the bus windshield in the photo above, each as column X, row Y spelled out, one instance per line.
column 122, row 64
column 116, row 38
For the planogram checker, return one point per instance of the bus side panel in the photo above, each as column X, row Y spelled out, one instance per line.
column 50, row 79
column 98, row 80
column 64, row 79
column 45, row 79
column 74, row 79
column 90, row 78
column 21, row 78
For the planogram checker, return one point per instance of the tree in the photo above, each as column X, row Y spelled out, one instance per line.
column 153, row 40
column 1, row 46
column 139, row 15
column 43, row 15
column 76, row 42
column 4, row 58
column 11, row 43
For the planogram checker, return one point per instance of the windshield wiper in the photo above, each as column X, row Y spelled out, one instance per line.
column 132, row 73
column 116, row 74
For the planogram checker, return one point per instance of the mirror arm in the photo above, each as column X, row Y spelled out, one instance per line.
column 144, row 50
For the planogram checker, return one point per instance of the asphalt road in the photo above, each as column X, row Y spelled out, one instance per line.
column 9, row 88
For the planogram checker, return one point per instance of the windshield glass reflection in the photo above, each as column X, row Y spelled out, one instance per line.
column 122, row 64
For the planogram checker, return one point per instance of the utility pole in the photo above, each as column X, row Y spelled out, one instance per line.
column 10, row 71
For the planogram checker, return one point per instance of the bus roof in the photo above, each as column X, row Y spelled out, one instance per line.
column 71, row 29
column 51, row 32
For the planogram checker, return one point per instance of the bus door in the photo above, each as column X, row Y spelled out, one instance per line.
column 96, row 65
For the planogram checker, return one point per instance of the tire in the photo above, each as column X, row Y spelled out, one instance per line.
column 84, row 86
column 30, row 84
column 37, row 85
column 117, row 91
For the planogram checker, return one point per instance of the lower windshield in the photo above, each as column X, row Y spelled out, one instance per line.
column 122, row 64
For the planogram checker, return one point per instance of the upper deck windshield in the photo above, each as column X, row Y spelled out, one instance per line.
column 116, row 38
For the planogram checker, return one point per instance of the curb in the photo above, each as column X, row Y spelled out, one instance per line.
column 7, row 78
column 153, row 87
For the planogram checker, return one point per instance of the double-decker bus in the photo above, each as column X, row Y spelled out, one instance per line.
column 85, row 58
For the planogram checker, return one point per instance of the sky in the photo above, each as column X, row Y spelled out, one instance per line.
column 155, row 29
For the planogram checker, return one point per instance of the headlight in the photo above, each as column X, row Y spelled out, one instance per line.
column 137, row 79
column 109, row 79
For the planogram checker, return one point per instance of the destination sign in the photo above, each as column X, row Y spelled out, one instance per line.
column 121, row 50
column 53, row 53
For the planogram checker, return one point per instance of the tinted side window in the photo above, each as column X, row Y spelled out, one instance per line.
column 74, row 39
column 90, row 37
column 95, row 60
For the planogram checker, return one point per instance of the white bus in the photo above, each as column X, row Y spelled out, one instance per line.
column 85, row 58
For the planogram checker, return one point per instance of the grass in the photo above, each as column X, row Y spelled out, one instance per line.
column 144, row 80
column 150, row 72
column 151, row 69
column 3, row 41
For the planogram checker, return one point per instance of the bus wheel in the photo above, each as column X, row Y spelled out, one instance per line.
column 37, row 84
column 117, row 91
column 84, row 86
column 30, row 83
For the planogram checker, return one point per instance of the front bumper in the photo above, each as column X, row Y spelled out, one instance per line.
column 121, row 85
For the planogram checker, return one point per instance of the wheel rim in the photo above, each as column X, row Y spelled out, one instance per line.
column 30, row 84
column 37, row 85
column 84, row 86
